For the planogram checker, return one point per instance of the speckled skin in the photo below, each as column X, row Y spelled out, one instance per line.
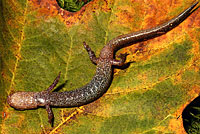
column 88, row 93
column 102, row 79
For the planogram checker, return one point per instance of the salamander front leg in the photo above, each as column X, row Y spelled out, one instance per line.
column 50, row 114
column 121, row 61
column 45, row 95
column 54, row 83
column 91, row 53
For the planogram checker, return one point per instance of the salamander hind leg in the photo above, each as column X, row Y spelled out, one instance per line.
column 91, row 53
column 120, row 62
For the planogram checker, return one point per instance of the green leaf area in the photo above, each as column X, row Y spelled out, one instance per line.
column 38, row 40
column 72, row 5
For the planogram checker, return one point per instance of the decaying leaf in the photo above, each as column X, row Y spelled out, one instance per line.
column 38, row 39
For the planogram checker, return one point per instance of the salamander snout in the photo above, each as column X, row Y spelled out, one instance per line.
column 22, row 100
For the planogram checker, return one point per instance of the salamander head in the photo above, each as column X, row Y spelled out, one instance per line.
column 22, row 100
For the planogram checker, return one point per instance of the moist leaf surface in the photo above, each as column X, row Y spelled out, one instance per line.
column 38, row 39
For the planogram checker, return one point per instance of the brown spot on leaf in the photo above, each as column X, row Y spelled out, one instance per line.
column 50, row 8
column 4, row 114
column 176, row 126
column 194, row 92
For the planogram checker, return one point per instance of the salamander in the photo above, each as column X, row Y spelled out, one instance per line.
column 103, row 77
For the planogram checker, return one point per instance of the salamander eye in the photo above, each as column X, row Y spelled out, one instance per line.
column 22, row 100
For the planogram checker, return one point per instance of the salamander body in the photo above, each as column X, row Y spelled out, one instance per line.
column 103, row 77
